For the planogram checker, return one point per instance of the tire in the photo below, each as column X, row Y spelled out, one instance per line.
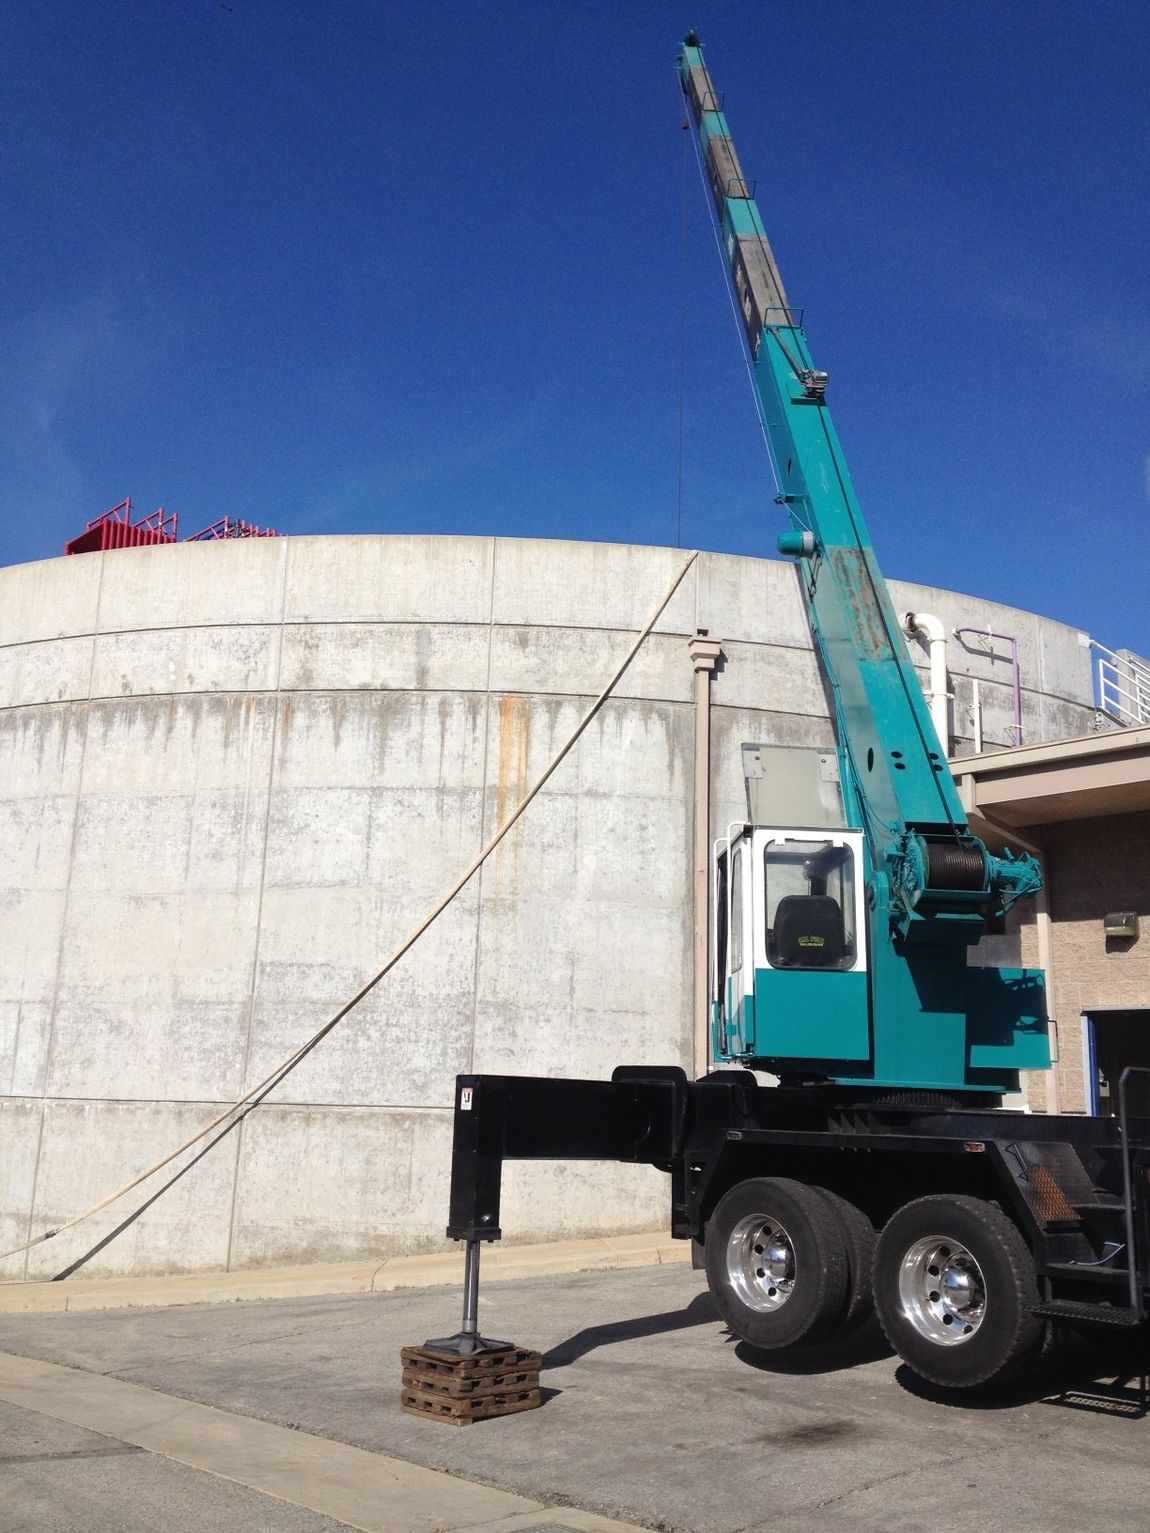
column 859, row 1236
column 800, row 1294
column 954, row 1286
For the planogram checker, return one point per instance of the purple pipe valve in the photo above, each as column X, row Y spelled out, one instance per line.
column 1015, row 674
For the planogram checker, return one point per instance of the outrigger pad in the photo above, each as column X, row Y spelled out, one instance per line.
column 461, row 1389
column 466, row 1344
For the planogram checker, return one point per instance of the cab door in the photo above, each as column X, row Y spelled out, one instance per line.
column 739, row 978
column 720, row 930
column 811, row 988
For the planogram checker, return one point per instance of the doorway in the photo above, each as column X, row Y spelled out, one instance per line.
column 1114, row 1038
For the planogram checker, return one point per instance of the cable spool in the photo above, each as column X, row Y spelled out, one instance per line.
column 951, row 865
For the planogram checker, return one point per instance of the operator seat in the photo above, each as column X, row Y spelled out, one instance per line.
column 808, row 933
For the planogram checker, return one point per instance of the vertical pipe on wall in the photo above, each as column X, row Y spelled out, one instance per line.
column 704, row 652
column 1015, row 669
column 933, row 631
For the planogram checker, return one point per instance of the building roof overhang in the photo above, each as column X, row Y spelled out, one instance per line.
column 1081, row 778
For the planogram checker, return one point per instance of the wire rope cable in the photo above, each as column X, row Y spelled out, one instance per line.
column 258, row 1092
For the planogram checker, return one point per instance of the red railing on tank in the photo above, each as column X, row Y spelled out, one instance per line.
column 231, row 527
column 116, row 529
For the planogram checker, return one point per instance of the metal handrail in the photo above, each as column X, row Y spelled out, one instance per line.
column 1137, row 1303
column 1123, row 685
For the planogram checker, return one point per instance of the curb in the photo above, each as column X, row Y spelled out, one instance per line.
column 354, row 1487
column 444, row 1269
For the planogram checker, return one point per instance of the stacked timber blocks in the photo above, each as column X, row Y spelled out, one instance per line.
column 459, row 1390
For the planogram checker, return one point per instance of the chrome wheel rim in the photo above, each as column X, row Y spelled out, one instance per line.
column 761, row 1262
column 942, row 1291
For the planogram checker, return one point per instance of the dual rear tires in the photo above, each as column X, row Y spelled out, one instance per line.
column 788, row 1264
column 951, row 1278
column 955, row 1291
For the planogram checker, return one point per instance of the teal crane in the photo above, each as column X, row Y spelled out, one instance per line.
column 852, row 949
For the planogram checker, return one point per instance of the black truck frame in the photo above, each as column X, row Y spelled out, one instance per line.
column 971, row 1229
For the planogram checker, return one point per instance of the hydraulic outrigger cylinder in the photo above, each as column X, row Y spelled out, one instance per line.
column 467, row 1341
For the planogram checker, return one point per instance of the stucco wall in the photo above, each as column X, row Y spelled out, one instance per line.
column 235, row 774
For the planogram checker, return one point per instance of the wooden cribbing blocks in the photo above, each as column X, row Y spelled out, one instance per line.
column 459, row 1390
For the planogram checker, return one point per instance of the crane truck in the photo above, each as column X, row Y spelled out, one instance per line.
column 848, row 1150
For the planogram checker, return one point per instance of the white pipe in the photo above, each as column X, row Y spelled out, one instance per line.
column 704, row 652
column 932, row 629
column 976, row 715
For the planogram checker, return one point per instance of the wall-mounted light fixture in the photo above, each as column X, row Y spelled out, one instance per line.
column 1120, row 923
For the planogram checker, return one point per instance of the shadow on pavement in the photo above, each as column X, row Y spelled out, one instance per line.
column 1096, row 1375
column 866, row 1345
column 1079, row 1373
column 700, row 1311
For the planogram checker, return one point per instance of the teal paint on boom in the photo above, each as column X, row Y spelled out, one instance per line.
column 931, row 883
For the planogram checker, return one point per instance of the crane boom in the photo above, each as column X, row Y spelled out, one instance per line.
column 931, row 883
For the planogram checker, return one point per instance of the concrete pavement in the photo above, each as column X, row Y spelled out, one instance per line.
column 652, row 1415
column 358, row 1489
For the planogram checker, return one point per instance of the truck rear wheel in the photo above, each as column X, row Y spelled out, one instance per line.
column 858, row 1232
column 954, row 1286
column 777, row 1262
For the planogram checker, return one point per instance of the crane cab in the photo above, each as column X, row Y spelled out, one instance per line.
column 789, row 953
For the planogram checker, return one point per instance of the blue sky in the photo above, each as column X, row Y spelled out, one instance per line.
column 372, row 267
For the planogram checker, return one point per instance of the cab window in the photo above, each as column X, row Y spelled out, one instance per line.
column 736, row 910
column 810, row 905
column 720, row 972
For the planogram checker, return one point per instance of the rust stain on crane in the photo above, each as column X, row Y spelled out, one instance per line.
column 857, row 582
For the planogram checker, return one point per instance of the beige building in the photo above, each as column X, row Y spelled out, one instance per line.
column 1084, row 805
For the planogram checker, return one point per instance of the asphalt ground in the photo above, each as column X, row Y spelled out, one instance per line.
column 652, row 1413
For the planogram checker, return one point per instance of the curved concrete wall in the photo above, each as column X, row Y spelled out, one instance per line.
column 235, row 774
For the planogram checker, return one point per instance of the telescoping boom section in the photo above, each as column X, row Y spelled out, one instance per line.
column 841, row 954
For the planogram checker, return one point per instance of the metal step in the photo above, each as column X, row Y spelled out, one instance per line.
column 1078, row 1312
column 1087, row 1271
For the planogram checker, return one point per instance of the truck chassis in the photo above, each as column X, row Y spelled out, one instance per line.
column 970, row 1229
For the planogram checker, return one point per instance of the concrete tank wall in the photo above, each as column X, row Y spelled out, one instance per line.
column 236, row 774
